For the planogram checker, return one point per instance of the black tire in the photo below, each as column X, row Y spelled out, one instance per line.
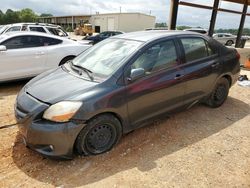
column 99, row 135
column 230, row 43
column 219, row 94
column 66, row 59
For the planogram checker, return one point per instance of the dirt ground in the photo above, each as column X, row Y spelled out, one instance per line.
column 200, row 147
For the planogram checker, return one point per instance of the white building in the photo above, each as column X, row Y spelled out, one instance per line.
column 126, row 22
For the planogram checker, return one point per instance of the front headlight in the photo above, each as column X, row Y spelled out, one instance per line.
column 62, row 111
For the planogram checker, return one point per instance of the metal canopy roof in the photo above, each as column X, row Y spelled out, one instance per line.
column 239, row 1
column 215, row 8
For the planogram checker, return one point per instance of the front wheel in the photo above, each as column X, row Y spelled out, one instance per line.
column 219, row 94
column 99, row 135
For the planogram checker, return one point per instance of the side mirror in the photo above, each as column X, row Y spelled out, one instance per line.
column 136, row 73
column 2, row 48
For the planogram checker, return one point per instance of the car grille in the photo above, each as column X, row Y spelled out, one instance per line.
column 26, row 105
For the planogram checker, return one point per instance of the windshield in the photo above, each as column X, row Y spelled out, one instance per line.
column 104, row 58
column 2, row 28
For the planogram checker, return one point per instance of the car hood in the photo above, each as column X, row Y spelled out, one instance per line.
column 57, row 85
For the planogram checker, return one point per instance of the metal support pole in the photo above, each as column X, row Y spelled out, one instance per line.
column 173, row 14
column 213, row 18
column 241, row 27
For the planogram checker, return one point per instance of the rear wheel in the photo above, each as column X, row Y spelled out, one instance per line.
column 219, row 94
column 229, row 43
column 99, row 135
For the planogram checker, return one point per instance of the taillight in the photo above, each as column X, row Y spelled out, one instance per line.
column 237, row 55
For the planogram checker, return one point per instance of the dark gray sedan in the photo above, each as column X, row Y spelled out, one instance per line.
column 120, row 84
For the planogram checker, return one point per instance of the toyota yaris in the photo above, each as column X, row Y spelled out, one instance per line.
column 120, row 84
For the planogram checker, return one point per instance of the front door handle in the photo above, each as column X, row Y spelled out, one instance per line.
column 178, row 76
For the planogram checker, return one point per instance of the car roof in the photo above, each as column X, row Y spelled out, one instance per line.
column 146, row 36
column 198, row 29
column 33, row 24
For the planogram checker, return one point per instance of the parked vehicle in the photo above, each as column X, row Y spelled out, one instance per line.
column 121, row 84
column 198, row 30
column 104, row 35
column 27, row 54
column 39, row 27
column 225, row 38
column 84, row 29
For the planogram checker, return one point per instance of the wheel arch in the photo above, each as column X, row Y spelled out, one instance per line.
column 229, row 78
column 66, row 58
column 116, row 115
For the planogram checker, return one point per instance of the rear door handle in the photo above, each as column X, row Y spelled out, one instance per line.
column 215, row 65
column 40, row 53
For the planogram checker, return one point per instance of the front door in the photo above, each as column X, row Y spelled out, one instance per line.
column 161, row 88
column 25, row 57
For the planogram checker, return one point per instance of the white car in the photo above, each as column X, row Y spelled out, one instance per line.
column 225, row 38
column 198, row 30
column 38, row 27
column 27, row 54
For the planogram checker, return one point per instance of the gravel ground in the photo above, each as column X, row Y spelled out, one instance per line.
column 199, row 147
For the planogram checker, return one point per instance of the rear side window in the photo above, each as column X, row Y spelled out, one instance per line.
column 195, row 48
column 38, row 29
column 47, row 41
column 57, row 31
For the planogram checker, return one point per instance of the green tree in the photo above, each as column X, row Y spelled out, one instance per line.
column 45, row 15
column 27, row 15
column 1, row 17
column 161, row 25
column 182, row 27
column 11, row 16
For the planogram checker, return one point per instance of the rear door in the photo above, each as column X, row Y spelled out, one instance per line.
column 55, row 51
column 201, row 68
column 161, row 89
column 25, row 57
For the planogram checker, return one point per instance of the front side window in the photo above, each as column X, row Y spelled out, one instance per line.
column 158, row 57
column 106, row 57
column 195, row 48
column 14, row 28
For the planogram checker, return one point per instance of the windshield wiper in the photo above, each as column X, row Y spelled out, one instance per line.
column 80, row 69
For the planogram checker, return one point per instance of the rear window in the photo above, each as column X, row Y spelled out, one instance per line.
column 57, row 31
column 196, row 48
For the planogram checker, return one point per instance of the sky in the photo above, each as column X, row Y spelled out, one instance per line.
column 160, row 8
